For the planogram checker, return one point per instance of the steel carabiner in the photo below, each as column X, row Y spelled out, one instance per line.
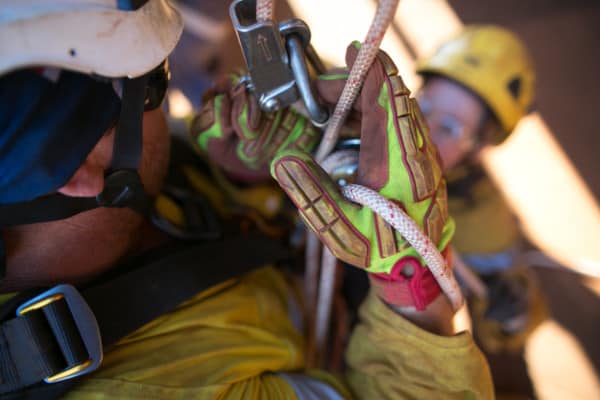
column 276, row 60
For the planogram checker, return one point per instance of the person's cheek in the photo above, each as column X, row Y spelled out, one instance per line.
column 156, row 149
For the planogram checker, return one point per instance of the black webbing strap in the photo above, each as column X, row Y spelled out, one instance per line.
column 127, row 149
column 122, row 188
column 130, row 300
column 176, row 277
column 48, row 208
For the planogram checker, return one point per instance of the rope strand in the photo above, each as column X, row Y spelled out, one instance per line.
column 386, row 9
column 264, row 10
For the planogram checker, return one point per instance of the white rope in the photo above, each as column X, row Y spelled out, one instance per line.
column 264, row 10
column 325, row 300
column 386, row 9
column 339, row 158
column 409, row 229
column 401, row 221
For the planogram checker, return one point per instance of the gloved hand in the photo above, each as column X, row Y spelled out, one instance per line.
column 513, row 308
column 233, row 132
column 398, row 160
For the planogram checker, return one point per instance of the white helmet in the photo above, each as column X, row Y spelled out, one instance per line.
column 111, row 38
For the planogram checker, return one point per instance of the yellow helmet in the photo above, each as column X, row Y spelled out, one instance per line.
column 493, row 63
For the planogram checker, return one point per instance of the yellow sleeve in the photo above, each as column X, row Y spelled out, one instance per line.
column 390, row 358
column 230, row 342
column 500, row 230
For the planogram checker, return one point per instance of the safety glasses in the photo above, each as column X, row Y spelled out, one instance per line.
column 158, row 82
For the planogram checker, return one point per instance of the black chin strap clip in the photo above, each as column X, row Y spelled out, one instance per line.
column 123, row 188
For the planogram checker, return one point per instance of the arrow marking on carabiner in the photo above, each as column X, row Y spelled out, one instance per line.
column 261, row 41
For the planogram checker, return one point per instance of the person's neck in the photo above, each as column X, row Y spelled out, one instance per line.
column 20, row 277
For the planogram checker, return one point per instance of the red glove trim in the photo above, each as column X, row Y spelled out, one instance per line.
column 418, row 290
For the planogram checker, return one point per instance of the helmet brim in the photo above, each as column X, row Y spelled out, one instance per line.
column 105, row 42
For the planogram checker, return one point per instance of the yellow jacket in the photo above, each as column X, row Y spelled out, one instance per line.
column 484, row 222
column 238, row 340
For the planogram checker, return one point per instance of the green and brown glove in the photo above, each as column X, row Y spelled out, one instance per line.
column 233, row 132
column 398, row 160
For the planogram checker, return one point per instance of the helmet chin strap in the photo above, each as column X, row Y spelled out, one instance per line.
column 122, row 186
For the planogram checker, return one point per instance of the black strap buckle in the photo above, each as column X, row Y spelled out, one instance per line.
column 124, row 188
column 201, row 219
column 85, row 322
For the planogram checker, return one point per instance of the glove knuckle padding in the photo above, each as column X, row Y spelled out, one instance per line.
column 208, row 124
column 276, row 131
column 322, row 207
column 399, row 160
column 204, row 120
column 246, row 117
column 420, row 160
column 235, row 134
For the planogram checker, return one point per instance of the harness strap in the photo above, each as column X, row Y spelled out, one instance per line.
column 127, row 150
column 52, row 339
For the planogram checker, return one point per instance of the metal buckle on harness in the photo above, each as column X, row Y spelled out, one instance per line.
column 85, row 322
column 276, row 60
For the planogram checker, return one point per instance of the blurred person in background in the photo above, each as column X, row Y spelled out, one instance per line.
column 477, row 86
